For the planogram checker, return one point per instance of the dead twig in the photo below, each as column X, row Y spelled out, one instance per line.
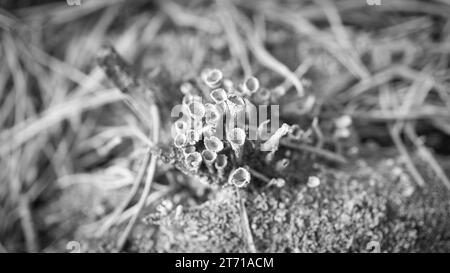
column 142, row 95
column 143, row 98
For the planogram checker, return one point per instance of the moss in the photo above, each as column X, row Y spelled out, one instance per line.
column 349, row 209
column 213, row 226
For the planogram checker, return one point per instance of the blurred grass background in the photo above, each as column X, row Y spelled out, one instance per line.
column 62, row 123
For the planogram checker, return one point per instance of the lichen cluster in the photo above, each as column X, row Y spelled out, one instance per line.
column 213, row 136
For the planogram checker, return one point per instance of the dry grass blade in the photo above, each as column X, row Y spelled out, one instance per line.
column 266, row 59
column 427, row 156
column 28, row 129
column 342, row 37
column 235, row 41
column 395, row 131
column 305, row 27
column 187, row 19
column 261, row 54
column 28, row 225
column 3, row 249
column 140, row 205
column 328, row 155
column 112, row 219
column 58, row 13
column 246, row 224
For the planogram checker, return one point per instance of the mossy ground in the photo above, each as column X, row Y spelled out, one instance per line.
column 371, row 200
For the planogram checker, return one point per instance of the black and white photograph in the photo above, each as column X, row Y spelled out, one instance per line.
column 232, row 127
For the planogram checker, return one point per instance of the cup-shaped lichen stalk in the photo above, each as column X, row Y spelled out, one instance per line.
column 193, row 161
column 240, row 177
column 212, row 114
column 250, row 85
column 313, row 182
column 277, row 182
column 187, row 88
column 196, row 125
column 236, row 137
column 208, row 131
column 228, row 85
column 212, row 78
column 269, row 157
column 188, row 150
column 236, row 104
column 342, row 133
column 219, row 96
column 187, row 99
column 343, row 124
column 220, row 165
column 196, row 110
column 192, row 136
column 180, row 126
column 180, row 140
column 209, row 158
column 235, row 115
column 262, row 96
column 282, row 164
column 213, row 144
column 344, row 121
